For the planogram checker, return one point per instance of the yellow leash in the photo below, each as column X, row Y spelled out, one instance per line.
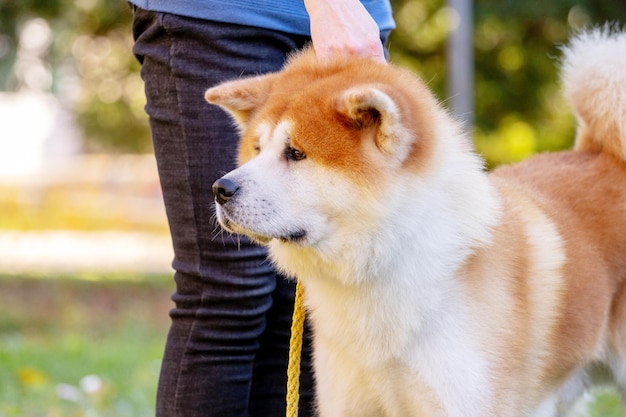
column 295, row 353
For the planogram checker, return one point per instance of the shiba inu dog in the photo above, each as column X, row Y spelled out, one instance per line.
column 434, row 288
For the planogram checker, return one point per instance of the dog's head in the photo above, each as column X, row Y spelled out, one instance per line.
column 324, row 146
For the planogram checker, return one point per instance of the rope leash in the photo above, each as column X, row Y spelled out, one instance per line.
column 295, row 354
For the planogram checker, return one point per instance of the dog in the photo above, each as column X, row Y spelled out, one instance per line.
column 433, row 287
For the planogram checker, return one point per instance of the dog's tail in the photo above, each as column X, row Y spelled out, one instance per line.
column 594, row 78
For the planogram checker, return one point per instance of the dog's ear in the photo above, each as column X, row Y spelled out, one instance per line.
column 368, row 107
column 241, row 97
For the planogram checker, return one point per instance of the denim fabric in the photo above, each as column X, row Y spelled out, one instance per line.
column 226, row 351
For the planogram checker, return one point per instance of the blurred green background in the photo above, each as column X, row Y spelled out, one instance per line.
column 86, row 340
column 518, row 107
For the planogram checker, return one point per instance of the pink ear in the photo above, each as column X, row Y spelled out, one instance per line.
column 241, row 97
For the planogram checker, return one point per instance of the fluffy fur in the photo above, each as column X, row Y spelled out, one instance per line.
column 436, row 289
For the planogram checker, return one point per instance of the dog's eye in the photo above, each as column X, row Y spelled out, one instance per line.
column 294, row 154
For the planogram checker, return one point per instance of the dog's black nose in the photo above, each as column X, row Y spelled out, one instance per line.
column 224, row 189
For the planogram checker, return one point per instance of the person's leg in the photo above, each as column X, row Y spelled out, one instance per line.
column 224, row 325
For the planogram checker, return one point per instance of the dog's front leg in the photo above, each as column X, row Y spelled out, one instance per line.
column 343, row 388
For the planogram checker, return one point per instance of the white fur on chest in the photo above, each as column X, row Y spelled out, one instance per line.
column 380, row 354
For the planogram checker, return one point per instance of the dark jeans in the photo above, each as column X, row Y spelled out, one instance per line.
column 226, row 351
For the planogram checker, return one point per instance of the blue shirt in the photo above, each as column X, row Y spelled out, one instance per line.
column 283, row 15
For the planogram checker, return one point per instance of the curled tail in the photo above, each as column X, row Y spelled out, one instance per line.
column 594, row 78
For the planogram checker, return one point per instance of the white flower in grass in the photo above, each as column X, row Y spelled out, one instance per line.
column 91, row 384
column 69, row 392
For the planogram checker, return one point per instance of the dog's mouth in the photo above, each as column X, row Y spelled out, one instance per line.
column 298, row 236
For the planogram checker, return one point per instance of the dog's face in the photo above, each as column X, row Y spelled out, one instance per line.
column 324, row 147
column 275, row 194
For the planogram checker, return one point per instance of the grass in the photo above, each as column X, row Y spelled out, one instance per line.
column 90, row 345
column 75, row 347
column 607, row 403
column 83, row 344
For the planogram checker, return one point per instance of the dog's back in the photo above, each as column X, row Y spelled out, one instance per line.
column 582, row 196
